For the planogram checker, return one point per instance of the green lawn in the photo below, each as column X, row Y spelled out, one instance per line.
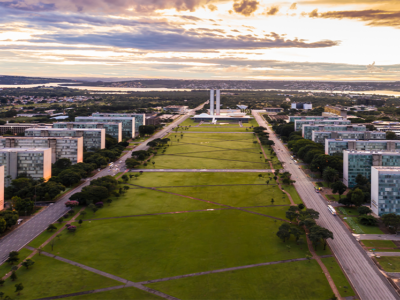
column 390, row 263
column 361, row 229
column 338, row 277
column 171, row 245
column 379, row 243
column 211, row 151
column 275, row 161
column 292, row 191
column 220, row 128
column 6, row 267
column 278, row 211
column 121, row 294
column 44, row 236
column 333, row 197
column 50, row 277
column 295, row 280
column 348, row 211
column 322, row 184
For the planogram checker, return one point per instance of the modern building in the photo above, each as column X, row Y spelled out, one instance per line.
column 385, row 190
column 308, row 130
column 273, row 109
column 61, row 147
column 18, row 128
column 93, row 138
column 313, row 118
column 140, row 119
column 153, row 120
column 2, row 183
column 179, row 109
column 301, row 105
column 298, row 124
column 128, row 123
column 360, row 162
column 321, row 136
column 333, row 146
column 112, row 128
column 337, row 110
column 33, row 162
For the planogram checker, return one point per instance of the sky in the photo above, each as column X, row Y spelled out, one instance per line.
column 201, row 39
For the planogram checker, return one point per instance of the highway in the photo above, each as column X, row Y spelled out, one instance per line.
column 365, row 277
column 27, row 231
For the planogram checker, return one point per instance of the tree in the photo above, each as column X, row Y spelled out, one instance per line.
column 51, row 227
column 23, row 206
column 364, row 210
column 357, row 197
column 80, row 222
column 390, row 135
column 28, row 263
column 18, row 288
column 301, row 206
column 296, row 232
column 3, row 225
column 272, row 201
column 125, row 178
column 13, row 257
column 71, row 204
column 291, row 215
column 391, row 220
column 367, row 220
column 308, row 223
column 62, row 163
column 361, row 180
column 1, row 284
column 338, row 187
column 309, row 213
column 69, row 177
column 284, row 232
column 13, row 276
column 330, row 175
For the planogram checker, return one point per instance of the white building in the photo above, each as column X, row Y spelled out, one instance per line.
column 385, row 190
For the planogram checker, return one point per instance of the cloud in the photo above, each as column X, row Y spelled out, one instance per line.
column 372, row 17
column 212, row 7
column 293, row 6
column 313, row 14
column 104, row 6
column 373, row 69
column 181, row 41
column 271, row 11
column 245, row 7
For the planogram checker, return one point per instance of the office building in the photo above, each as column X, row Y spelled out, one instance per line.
column 360, row 162
column 93, row 138
column 313, row 118
column 128, row 123
column 178, row 109
column 309, row 129
column 301, row 105
column 61, row 147
column 337, row 110
column 2, row 184
column 36, row 163
column 385, row 191
column 112, row 128
column 273, row 109
column 333, row 146
column 19, row 128
column 298, row 124
column 343, row 133
column 140, row 119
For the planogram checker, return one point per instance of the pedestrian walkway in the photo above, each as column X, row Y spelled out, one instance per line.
column 389, row 237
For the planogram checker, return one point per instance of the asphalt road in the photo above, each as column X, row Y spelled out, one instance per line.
column 36, row 225
column 363, row 274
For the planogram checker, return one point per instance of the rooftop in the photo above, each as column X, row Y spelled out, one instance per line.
column 387, row 169
column 363, row 152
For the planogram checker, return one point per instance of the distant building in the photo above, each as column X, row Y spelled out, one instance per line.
column 2, row 183
column 308, row 129
column 385, row 196
column 33, row 162
column 339, row 132
column 242, row 106
column 298, row 124
column 153, row 120
column 61, row 147
column 140, row 119
column 360, row 162
column 301, row 105
column 368, row 101
column 112, row 128
column 313, row 118
column 180, row 109
column 273, row 109
column 93, row 138
column 17, row 128
column 128, row 123
column 333, row 146
column 338, row 110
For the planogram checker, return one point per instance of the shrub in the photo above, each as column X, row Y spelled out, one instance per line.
column 99, row 204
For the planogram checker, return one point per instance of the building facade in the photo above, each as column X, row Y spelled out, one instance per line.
column 33, row 162
column 312, row 118
column 301, row 105
column 337, row 110
column 309, row 129
column 385, row 190
column 298, row 124
column 93, row 138
column 140, row 119
column 333, row 146
column 112, row 128
column 360, row 162
column 321, row 136
column 18, row 128
column 2, row 184
column 61, row 147
column 128, row 123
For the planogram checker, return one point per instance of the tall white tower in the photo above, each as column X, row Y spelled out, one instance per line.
column 212, row 102
column 218, row 102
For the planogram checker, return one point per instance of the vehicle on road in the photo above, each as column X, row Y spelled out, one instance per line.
column 332, row 210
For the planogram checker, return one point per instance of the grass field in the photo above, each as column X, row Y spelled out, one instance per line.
column 389, row 263
column 293, row 193
column 348, row 211
column 211, row 151
column 361, row 229
column 295, row 280
column 130, row 293
column 50, row 277
column 378, row 243
column 333, row 197
column 6, row 267
column 338, row 277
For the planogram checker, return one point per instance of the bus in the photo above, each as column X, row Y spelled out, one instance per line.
column 332, row 210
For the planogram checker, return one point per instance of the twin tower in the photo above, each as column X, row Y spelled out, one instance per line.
column 218, row 106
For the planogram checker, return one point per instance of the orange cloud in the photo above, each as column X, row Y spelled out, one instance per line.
column 246, row 7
